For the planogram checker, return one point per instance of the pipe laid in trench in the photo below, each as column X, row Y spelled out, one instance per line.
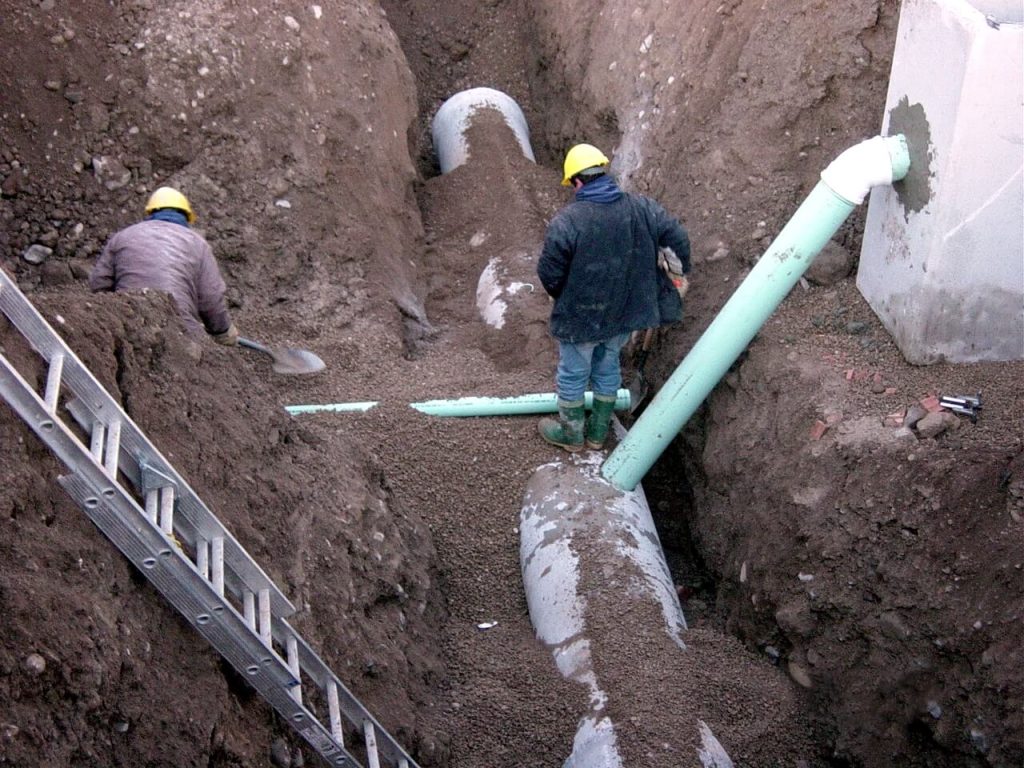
column 448, row 128
column 575, row 524
column 544, row 402
column 508, row 406
column 567, row 507
column 571, row 512
column 333, row 407
column 844, row 185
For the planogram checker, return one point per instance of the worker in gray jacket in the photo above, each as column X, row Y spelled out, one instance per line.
column 600, row 264
column 163, row 253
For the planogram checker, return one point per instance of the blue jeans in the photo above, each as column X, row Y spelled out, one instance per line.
column 594, row 361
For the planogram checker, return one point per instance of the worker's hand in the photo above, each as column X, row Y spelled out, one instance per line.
column 229, row 338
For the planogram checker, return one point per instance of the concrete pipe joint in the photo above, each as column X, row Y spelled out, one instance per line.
column 455, row 115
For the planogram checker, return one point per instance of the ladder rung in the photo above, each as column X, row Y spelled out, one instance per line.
column 203, row 558
column 266, row 629
column 167, row 511
column 96, row 440
column 372, row 758
column 217, row 566
column 334, row 712
column 53, row 383
column 314, row 669
column 293, row 665
column 249, row 608
column 153, row 506
column 112, row 450
column 145, row 468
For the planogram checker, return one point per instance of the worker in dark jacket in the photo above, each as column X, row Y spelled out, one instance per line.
column 162, row 252
column 600, row 265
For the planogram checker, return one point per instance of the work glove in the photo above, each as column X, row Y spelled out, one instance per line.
column 682, row 284
column 673, row 267
column 228, row 338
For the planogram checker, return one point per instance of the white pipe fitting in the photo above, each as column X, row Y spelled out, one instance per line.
column 449, row 126
column 859, row 168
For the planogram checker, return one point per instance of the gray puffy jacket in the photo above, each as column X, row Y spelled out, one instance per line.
column 171, row 258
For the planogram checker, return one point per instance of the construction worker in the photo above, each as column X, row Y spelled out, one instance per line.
column 600, row 264
column 162, row 252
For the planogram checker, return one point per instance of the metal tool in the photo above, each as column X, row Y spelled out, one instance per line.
column 968, row 405
column 287, row 360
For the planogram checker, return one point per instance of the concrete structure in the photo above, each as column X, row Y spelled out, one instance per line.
column 942, row 263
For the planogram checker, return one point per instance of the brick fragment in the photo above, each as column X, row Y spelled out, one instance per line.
column 818, row 429
column 894, row 419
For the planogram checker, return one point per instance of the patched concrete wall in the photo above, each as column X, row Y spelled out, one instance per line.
column 942, row 262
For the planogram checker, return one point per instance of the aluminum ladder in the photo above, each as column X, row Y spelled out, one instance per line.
column 140, row 502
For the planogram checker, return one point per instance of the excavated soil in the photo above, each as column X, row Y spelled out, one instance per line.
column 854, row 592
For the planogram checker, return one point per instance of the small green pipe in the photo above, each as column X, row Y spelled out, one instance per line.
column 471, row 406
column 338, row 407
column 842, row 187
column 507, row 406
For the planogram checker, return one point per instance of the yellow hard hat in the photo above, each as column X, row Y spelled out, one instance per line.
column 169, row 197
column 579, row 158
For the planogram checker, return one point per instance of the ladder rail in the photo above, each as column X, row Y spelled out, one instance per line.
column 94, row 404
column 134, row 534
column 217, row 592
column 194, row 522
column 357, row 715
column 76, row 457
column 214, row 618
column 111, row 507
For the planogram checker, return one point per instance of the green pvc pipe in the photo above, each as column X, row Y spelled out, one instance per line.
column 507, row 406
column 337, row 407
column 471, row 406
column 844, row 185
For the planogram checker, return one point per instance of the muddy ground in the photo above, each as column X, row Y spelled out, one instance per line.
column 854, row 593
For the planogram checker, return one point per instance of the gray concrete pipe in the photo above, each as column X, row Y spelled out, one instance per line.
column 448, row 128
column 508, row 295
column 575, row 524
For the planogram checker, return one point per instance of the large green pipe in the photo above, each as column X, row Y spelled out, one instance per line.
column 843, row 186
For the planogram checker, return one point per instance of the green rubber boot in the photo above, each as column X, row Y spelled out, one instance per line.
column 567, row 431
column 600, row 418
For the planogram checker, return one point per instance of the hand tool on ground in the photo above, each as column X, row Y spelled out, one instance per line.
column 287, row 360
column 968, row 405
column 638, row 386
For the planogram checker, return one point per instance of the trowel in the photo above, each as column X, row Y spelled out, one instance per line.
column 638, row 386
column 287, row 360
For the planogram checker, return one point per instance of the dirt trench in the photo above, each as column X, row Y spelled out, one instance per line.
column 750, row 569
column 865, row 593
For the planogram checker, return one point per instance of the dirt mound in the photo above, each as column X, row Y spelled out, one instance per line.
column 290, row 493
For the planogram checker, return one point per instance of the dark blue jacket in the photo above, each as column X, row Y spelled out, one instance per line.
column 600, row 264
